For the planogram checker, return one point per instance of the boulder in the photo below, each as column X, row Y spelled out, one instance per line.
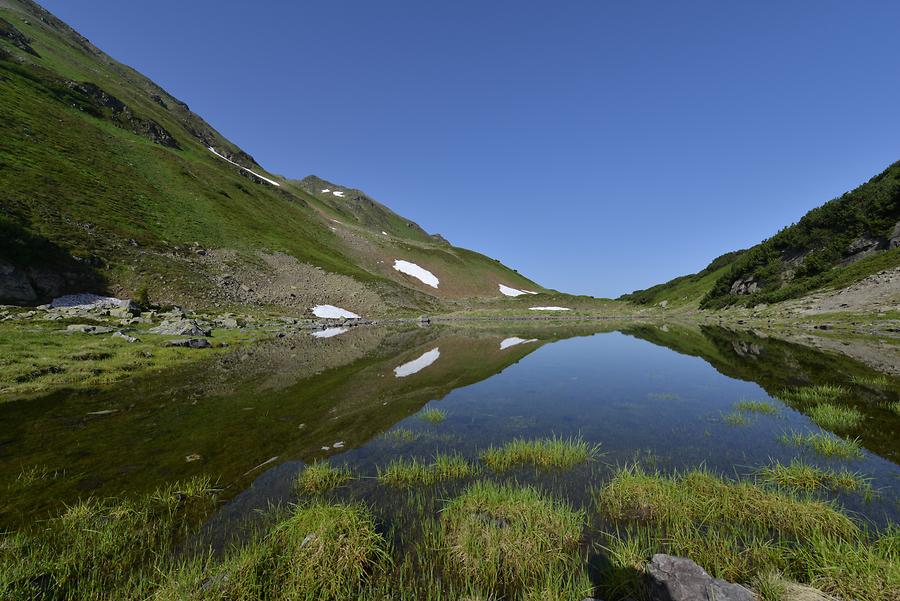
column 181, row 327
column 84, row 328
column 125, row 337
column 190, row 343
column 680, row 579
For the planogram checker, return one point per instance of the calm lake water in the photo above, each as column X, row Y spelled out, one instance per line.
column 653, row 395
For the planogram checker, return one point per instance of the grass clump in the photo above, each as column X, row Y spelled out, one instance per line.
column 406, row 473
column 835, row 417
column 507, row 538
column 321, row 477
column 321, row 551
column 877, row 381
column 433, row 416
column 554, row 452
column 823, row 393
column 763, row 407
column 895, row 407
column 740, row 531
column 825, row 444
column 802, row 476
column 115, row 549
column 736, row 418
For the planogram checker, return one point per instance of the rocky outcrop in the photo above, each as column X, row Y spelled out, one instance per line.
column 14, row 285
column 9, row 33
column 680, row 579
column 745, row 285
column 182, row 327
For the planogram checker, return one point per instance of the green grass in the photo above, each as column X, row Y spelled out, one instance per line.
column 103, row 549
column 763, row 407
column 739, row 531
column 405, row 473
column 320, row 551
column 401, row 435
column 823, row 393
column 895, row 407
column 321, row 477
column 878, row 381
column 508, row 538
column 433, row 416
column 836, row 417
column 804, row 477
column 554, row 452
column 825, row 444
column 736, row 418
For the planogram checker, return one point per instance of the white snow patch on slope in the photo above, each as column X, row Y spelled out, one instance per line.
column 86, row 300
column 326, row 191
column 329, row 332
column 550, row 308
column 514, row 341
column 338, row 193
column 417, row 365
column 507, row 291
column 384, row 232
column 265, row 179
column 332, row 312
column 417, row 272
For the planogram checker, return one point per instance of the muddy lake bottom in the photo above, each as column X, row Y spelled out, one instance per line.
column 665, row 398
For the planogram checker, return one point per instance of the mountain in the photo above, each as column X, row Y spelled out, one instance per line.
column 108, row 183
column 838, row 244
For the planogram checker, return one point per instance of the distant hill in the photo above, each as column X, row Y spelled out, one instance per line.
column 109, row 183
column 832, row 246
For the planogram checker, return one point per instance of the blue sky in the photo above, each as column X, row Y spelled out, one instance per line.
column 598, row 147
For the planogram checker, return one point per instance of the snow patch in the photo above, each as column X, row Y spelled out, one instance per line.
column 417, row 365
column 329, row 332
column 507, row 291
column 384, row 232
column 265, row 179
column 550, row 308
column 417, row 272
column 514, row 341
column 326, row 191
column 332, row 312
column 86, row 300
column 338, row 193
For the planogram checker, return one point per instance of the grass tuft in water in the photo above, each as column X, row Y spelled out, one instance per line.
column 433, row 416
column 763, row 407
column 554, row 452
column 825, row 444
column 405, row 473
column 802, row 476
column 822, row 393
column 320, row 551
column 739, row 530
column 835, row 417
column 508, row 538
column 401, row 435
column 321, row 477
column 736, row 418
column 895, row 407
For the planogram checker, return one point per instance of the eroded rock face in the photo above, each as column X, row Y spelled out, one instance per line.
column 680, row 579
column 746, row 285
column 14, row 285
column 182, row 327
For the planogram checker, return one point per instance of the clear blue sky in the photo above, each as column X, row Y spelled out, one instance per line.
column 598, row 147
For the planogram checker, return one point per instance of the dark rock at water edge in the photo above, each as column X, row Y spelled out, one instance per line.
column 190, row 343
column 680, row 579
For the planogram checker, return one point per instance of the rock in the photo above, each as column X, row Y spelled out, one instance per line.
column 125, row 337
column 228, row 323
column 680, row 579
column 127, row 309
column 745, row 285
column 190, row 343
column 664, row 304
column 181, row 327
column 894, row 239
column 84, row 328
column 14, row 285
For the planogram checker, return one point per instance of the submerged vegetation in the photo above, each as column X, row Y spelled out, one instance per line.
column 554, row 452
column 433, row 416
column 824, row 444
column 763, row 407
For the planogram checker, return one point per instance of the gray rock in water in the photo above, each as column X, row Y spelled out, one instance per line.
column 181, row 327
column 680, row 579
column 190, row 343
column 84, row 328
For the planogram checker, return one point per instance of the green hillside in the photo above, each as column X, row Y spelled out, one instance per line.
column 108, row 183
column 835, row 245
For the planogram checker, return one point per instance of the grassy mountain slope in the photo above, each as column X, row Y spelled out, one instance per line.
column 106, row 180
column 834, row 246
